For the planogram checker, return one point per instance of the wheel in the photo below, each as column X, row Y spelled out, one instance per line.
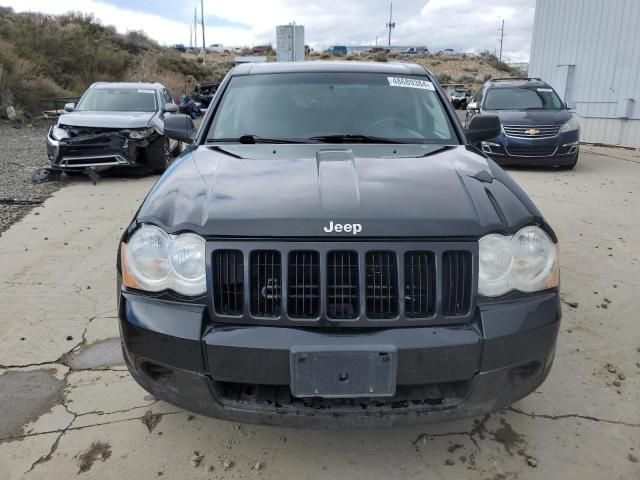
column 569, row 166
column 158, row 154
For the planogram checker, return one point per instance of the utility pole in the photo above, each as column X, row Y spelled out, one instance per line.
column 195, row 28
column 501, row 39
column 391, row 25
column 204, row 45
column 190, row 36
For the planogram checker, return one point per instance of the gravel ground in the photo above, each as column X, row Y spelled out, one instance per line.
column 22, row 152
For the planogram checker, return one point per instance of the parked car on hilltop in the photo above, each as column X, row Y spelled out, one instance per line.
column 537, row 127
column 179, row 47
column 114, row 125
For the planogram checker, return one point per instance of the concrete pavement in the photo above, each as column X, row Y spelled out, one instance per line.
column 69, row 406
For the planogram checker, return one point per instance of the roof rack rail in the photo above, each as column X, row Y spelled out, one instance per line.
column 510, row 79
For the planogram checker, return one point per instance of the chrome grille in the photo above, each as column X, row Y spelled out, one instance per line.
column 531, row 131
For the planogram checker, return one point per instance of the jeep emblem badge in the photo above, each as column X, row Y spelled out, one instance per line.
column 353, row 228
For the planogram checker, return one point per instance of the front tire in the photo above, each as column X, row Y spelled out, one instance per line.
column 158, row 154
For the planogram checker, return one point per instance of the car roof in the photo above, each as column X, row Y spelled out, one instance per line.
column 515, row 82
column 397, row 68
column 154, row 86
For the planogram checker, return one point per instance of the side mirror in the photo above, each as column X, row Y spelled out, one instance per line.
column 69, row 107
column 483, row 127
column 180, row 127
column 472, row 106
column 170, row 108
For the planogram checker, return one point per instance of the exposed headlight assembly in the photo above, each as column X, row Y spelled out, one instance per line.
column 154, row 261
column 571, row 125
column 526, row 261
column 140, row 134
column 59, row 133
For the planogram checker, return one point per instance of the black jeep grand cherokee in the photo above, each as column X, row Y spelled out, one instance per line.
column 332, row 251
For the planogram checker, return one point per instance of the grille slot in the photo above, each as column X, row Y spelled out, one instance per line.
column 419, row 284
column 229, row 280
column 531, row 151
column 456, row 283
column 266, row 283
column 381, row 285
column 342, row 285
column 303, row 294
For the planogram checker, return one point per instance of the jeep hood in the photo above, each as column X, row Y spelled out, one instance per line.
column 296, row 190
column 124, row 120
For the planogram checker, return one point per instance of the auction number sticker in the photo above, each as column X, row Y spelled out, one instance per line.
column 545, row 90
column 145, row 90
column 410, row 83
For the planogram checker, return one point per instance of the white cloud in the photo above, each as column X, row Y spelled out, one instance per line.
column 467, row 25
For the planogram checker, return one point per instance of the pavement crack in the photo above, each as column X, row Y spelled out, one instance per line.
column 125, row 410
column 71, row 428
column 572, row 415
column 54, row 445
column 28, row 365
column 478, row 430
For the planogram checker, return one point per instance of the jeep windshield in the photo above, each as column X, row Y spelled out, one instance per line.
column 522, row 98
column 331, row 108
column 118, row 100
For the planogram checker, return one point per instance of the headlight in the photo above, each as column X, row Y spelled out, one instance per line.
column 526, row 261
column 154, row 261
column 59, row 133
column 571, row 125
column 140, row 134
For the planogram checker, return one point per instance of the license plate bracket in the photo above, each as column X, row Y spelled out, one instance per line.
column 344, row 371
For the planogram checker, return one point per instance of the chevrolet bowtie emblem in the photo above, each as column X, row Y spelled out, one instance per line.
column 532, row 131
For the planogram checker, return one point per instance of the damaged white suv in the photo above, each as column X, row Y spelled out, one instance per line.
column 114, row 124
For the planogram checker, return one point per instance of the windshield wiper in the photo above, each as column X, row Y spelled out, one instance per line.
column 252, row 139
column 350, row 138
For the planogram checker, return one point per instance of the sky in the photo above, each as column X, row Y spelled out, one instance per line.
column 464, row 25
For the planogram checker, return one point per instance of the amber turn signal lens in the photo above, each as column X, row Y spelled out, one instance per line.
column 127, row 278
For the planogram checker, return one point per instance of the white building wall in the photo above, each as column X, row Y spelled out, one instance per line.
column 589, row 51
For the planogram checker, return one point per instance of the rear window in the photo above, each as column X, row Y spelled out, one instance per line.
column 118, row 100
column 521, row 98
column 304, row 105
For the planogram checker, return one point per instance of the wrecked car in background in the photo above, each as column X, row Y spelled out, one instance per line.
column 114, row 124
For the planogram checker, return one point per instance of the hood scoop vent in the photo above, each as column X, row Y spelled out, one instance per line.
column 337, row 180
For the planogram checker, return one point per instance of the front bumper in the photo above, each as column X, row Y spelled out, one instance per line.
column 561, row 150
column 242, row 373
column 103, row 150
